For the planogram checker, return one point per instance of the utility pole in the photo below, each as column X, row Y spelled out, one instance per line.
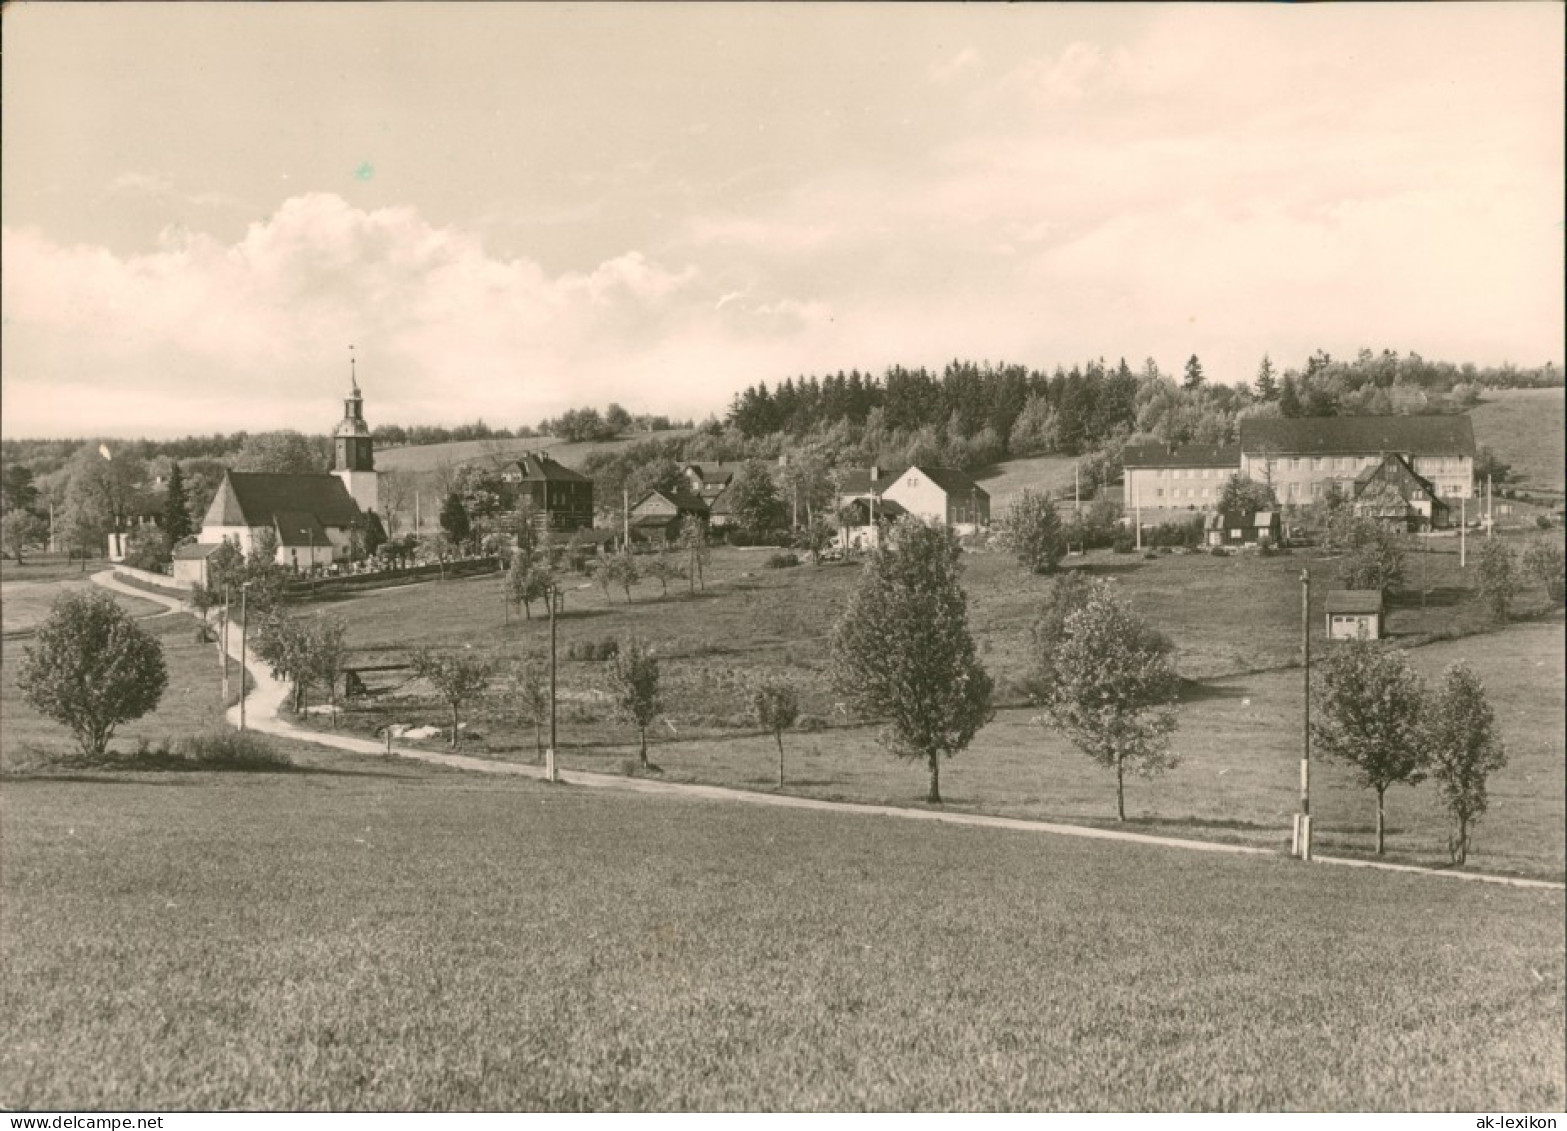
column 223, row 645
column 1137, row 512
column 244, row 628
column 1463, row 528
column 1077, row 488
column 625, row 516
column 1490, row 509
column 1303, row 821
column 550, row 772
column 416, row 512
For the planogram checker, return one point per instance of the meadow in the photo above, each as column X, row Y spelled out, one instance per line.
column 1235, row 621
column 374, row 936
column 1525, row 428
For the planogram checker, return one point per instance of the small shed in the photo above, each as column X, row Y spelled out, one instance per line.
column 1350, row 612
column 1233, row 528
column 190, row 561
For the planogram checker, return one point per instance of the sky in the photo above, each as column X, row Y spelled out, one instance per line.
column 509, row 210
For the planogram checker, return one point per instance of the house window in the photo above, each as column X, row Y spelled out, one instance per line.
column 1205, row 492
column 1158, row 492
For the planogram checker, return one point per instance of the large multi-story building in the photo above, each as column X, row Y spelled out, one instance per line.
column 1182, row 477
column 1300, row 457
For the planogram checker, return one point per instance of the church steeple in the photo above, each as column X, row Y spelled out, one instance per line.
column 352, row 446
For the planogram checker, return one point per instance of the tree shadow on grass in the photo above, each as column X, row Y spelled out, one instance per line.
column 1204, row 823
column 1437, row 597
column 1197, row 691
column 1109, row 569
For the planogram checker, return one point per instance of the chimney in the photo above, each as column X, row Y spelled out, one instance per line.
column 875, row 474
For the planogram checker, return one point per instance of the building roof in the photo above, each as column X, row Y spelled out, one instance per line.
column 857, row 480
column 195, row 551
column 887, row 510
column 681, row 500
column 1358, row 435
column 1182, row 455
column 535, row 467
column 1353, row 601
column 299, row 528
column 952, row 480
column 1242, row 520
column 256, row 498
column 714, row 473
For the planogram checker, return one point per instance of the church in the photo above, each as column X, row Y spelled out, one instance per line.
column 312, row 516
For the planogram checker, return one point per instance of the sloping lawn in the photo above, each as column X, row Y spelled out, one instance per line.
column 403, row 940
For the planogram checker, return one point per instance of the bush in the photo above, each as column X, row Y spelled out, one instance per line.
column 230, row 750
column 1265, row 551
column 1219, row 552
column 1543, row 521
column 781, row 561
column 810, row 723
column 1153, row 555
column 605, row 649
column 1123, row 544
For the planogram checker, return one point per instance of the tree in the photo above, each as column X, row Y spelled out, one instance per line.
column 454, row 519
column 1375, row 557
column 1194, row 375
column 1245, row 495
column 1267, row 383
column 283, row 643
column 1289, row 398
column 1465, row 750
column 633, row 679
column 617, row 418
column 525, row 583
column 284, row 452
column 457, row 678
column 816, row 535
column 662, row 568
column 528, row 682
column 1497, row 578
column 368, row 535
column 1032, row 532
column 1115, row 689
column 21, row 529
column 102, row 490
column 90, row 668
column 177, row 524
column 1068, row 592
column 621, row 568
column 1544, row 561
column 327, row 652
column 17, row 489
column 776, row 705
column 395, row 490
column 902, row 649
column 693, row 540
column 203, row 599
column 756, row 507
column 1368, row 712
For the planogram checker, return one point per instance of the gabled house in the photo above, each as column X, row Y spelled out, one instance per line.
column 562, row 498
column 1392, row 493
column 932, row 494
column 1350, row 612
column 312, row 516
column 658, row 514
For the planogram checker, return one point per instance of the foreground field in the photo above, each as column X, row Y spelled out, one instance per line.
column 383, row 938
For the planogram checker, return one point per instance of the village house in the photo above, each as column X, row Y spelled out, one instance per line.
column 1300, row 457
column 1175, row 477
column 931, row 494
column 1351, row 612
column 1391, row 493
column 658, row 514
column 562, row 498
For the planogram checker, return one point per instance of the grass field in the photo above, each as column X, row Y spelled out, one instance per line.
column 1526, row 428
column 23, row 604
column 1234, row 619
column 377, row 937
column 430, row 457
column 1051, row 474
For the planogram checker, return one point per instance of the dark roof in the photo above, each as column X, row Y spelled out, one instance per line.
column 1353, row 601
column 857, row 480
column 256, row 498
column 195, row 551
column 533, row 467
column 299, row 528
column 720, row 503
column 715, row 472
column 1358, row 435
column 888, row 510
column 951, row 480
column 682, row 500
column 1182, row 455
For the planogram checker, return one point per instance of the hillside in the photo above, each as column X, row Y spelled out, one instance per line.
column 1525, row 427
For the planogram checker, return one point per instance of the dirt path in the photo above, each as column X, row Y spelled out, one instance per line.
column 267, row 695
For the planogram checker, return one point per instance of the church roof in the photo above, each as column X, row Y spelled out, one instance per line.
column 532, row 468
column 258, row 498
column 299, row 528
